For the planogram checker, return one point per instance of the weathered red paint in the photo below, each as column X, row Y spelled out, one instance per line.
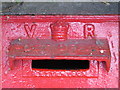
column 30, row 30
column 84, row 49
column 89, row 31
column 37, row 27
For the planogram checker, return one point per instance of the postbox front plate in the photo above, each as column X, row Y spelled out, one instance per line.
column 25, row 37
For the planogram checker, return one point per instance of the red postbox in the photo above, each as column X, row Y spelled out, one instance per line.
column 59, row 51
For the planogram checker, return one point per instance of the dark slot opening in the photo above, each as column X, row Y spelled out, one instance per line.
column 60, row 64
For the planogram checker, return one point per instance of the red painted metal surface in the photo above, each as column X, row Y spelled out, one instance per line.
column 82, row 49
column 19, row 31
column 59, row 30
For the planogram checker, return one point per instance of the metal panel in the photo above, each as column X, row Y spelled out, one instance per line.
column 18, row 29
